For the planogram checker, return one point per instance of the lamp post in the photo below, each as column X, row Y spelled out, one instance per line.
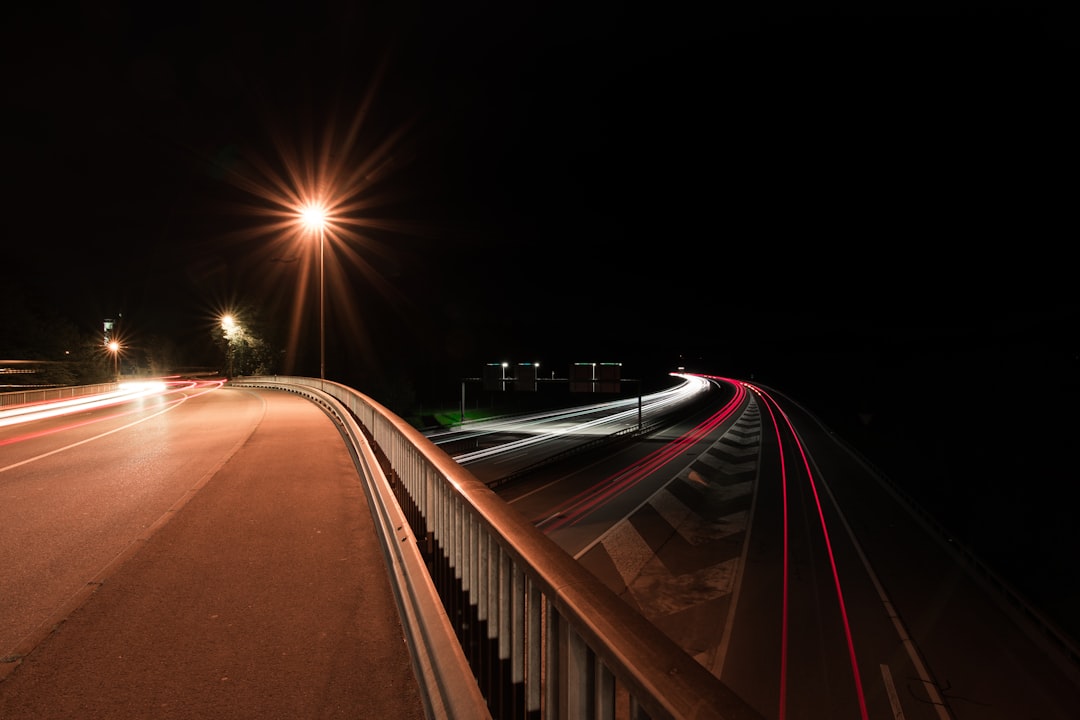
column 114, row 348
column 228, row 324
column 314, row 217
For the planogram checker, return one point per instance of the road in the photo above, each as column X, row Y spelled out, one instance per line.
column 501, row 448
column 192, row 550
column 747, row 531
column 81, row 485
column 757, row 540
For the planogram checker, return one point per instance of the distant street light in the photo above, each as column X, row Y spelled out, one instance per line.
column 228, row 324
column 504, row 365
column 114, row 348
column 313, row 216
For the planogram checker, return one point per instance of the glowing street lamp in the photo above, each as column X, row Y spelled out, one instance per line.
column 313, row 216
column 228, row 325
column 114, row 348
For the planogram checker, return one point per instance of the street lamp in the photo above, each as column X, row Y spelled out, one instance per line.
column 313, row 216
column 114, row 348
column 228, row 325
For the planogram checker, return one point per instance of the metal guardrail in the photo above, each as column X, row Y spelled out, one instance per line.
column 502, row 622
column 23, row 397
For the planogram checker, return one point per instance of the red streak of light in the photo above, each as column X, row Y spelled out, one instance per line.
column 832, row 563
column 782, row 714
column 586, row 502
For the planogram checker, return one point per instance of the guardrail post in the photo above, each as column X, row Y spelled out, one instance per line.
column 534, row 642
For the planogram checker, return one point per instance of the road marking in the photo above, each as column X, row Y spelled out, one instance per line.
column 12, row 658
column 898, row 624
column 890, row 690
column 172, row 405
column 628, row 551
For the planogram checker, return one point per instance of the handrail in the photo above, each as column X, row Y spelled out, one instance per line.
column 540, row 635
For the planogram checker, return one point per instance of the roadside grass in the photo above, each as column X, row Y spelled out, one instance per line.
column 449, row 417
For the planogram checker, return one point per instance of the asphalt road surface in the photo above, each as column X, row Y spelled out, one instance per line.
column 199, row 552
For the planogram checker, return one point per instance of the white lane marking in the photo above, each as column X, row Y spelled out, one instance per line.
column 24, row 646
column 898, row 624
column 628, row 551
column 173, row 405
column 890, row 690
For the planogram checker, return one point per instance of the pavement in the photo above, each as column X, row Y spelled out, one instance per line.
column 264, row 596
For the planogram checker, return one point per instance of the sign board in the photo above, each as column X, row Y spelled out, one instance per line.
column 493, row 376
column 596, row 377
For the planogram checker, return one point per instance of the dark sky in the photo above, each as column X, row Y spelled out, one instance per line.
column 602, row 182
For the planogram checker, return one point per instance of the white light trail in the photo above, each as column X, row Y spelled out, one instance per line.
column 40, row 411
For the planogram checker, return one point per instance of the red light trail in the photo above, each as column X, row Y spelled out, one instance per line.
column 579, row 507
column 774, row 410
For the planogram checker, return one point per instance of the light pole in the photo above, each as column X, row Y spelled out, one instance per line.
column 228, row 324
column 114, row 348
column 314, row 217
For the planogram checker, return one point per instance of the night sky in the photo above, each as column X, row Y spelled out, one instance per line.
column 736, row 192
column 869, row 211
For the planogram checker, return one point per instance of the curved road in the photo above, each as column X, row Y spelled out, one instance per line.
column 769, row 551
column 498, row 449
column 79, row 489
column 191, row 550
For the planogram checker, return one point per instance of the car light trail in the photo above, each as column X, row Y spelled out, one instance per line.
column 603, row 425
column 125, row 393
column 579, row 507
column 206, row 387
column 770, row 403
column 519, row 423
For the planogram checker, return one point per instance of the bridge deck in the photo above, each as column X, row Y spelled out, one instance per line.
column 264, row 596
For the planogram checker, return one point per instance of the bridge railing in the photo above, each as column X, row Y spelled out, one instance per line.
column 501, row 621
column 13, row 397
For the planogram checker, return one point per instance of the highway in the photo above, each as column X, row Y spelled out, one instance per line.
column 500, row 448
column 756, row 539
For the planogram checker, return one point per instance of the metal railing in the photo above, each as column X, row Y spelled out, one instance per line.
column 10, row 398
column 501, row 621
